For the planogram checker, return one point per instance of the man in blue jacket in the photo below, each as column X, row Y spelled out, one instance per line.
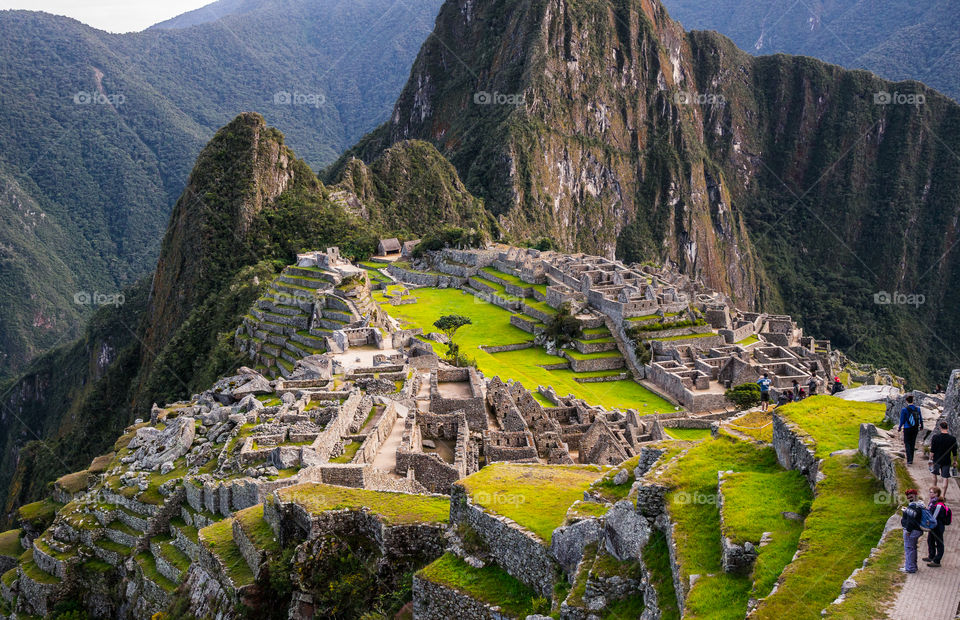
column 911, row 421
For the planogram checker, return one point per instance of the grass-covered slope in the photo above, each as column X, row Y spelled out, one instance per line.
column 536, row 497
column 393, row 508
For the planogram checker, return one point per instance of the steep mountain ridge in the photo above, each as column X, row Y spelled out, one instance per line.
column 896, row 39
column 99, row 131
column 782, row 181
column 250, row 205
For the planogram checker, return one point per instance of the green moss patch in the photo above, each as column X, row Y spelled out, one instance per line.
column 394, row 508
column 490, row 584
column 833, row 423
column 537, row 497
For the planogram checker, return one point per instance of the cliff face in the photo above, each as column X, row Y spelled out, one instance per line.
column 245, row 166
column 562, row 115
column 784, row 182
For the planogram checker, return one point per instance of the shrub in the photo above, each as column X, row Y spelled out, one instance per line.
column 450, row 237
column 564, row 327
column 744, row 396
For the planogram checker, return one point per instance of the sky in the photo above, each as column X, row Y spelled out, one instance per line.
column 111, row 15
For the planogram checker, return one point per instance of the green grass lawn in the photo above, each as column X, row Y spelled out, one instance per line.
column 832, row 422
column 877, row 584
column 693, row 508
column 491, row 327
column 490, row 584
column 687, row 434
column 756, row 424
column 831, row 547
column 748, row 341
column 537, row 497
column 394, row 508
column 256, row 529
column 753, row 504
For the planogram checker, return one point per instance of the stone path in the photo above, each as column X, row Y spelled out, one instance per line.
column 386, row 458
column 932, row 593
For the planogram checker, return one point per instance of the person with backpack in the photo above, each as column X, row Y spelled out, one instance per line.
column 764, row 384
column 940, row 513
column 812, row 385
column 837, row 386
column 796, row 390
column 911, row 421
column 943, row 455
column 912, row 531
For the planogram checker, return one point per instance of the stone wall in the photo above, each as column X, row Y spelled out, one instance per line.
column 433, row 601
column 515, row 550
column 377, row 435
column 795, row 449
column 879, row 449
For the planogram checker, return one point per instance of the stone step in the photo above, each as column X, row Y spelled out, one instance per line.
column 185, row 538
column 110, row 551
column 121, row 533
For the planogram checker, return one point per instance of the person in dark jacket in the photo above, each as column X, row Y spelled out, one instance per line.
column 837, row 386
column 796, row 390
column 912, row 514
column 812, row 385
column 935, row 546
column 911, row 421
column 943, row 455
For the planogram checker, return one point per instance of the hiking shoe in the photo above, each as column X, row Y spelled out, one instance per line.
column 909, row 572
column 933, row 564
column 926, row 559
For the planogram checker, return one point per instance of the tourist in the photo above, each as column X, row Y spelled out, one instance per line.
column 803, row 394
column 943, row 455
column 764, row 384
column 837, row 386
column 796, row 390
column 911, row 421
column 910, row 521
column 938, row 508
column 812, row 385
column 782, row 399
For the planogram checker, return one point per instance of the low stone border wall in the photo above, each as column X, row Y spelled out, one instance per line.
column 880, row 452
column 795, row 449
column 434, row 601
column 507, row 347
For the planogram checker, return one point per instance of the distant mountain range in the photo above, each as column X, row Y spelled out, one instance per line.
column 99, row 131
column 896, row 39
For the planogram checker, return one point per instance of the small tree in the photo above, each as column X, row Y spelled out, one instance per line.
column 564, row 327
column 449, row 324
column 744, row 396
